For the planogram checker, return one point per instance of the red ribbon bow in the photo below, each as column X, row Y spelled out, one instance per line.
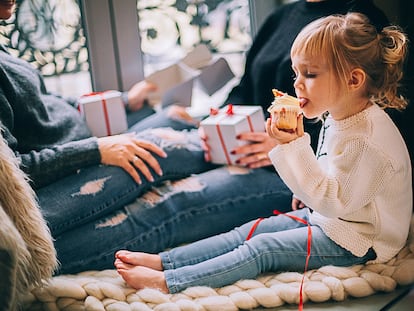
column 229, row 110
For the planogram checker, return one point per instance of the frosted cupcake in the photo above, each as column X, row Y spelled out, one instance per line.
column 284, row 110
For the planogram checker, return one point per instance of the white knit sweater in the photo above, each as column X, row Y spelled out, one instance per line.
column 359, row 183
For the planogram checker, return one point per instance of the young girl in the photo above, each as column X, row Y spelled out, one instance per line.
column 357, row 187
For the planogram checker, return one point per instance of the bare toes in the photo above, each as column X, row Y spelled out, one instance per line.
column 142, row 277
column 119, row 264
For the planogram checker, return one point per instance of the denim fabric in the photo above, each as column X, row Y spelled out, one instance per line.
column 279, row 243
column 174, row 213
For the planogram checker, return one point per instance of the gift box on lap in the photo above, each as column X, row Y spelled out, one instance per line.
column 223, row 126
column 104, row 113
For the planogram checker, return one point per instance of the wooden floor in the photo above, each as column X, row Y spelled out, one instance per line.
column 400, row 300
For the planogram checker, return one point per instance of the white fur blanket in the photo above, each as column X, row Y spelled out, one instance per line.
column 24, row 235
column 105, row 290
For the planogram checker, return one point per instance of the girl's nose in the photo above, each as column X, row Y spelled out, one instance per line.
column 297, row 84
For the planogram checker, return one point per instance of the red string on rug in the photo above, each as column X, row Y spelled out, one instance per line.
column 308, row 250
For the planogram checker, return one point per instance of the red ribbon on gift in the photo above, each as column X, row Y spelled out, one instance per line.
column 309, row 246
column 104, row 108
column 229, row 113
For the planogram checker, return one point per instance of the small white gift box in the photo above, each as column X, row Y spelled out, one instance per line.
column 104, row 113
column 223, row 126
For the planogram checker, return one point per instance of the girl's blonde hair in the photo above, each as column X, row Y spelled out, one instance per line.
column 350, row 41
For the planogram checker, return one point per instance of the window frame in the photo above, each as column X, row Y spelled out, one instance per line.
column 113, row 57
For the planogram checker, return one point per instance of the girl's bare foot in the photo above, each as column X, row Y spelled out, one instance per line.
column 152, row 261
column 140, row 277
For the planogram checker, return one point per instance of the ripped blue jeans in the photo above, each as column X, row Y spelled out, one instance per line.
column 101, row 209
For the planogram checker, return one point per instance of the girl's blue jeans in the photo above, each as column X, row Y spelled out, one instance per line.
column 279, row 243
column 100, row 210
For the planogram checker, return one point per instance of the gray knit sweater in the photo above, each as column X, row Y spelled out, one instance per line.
column 44, row 130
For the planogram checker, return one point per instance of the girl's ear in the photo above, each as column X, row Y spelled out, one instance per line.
column 357, row 79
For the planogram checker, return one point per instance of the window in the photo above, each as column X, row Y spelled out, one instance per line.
column 48, row 34
column 169, row 29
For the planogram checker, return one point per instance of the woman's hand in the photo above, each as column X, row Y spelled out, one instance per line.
column 138, row 93
column 131, row 154
column 204, row 144
column 284, row 137
column 254, row 153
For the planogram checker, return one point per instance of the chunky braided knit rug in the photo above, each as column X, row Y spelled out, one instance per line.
column 106, row 291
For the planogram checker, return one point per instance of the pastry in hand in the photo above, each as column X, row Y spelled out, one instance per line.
column 284, row 110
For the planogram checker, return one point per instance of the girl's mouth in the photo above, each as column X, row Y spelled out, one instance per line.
column 303, row 102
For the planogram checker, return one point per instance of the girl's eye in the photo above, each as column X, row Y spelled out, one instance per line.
column 310, row 75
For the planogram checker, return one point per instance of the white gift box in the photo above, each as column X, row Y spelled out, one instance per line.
column 223, row 126
column 104, row 113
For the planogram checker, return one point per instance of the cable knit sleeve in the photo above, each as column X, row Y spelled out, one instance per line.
column 336, row 185
column 50, row 164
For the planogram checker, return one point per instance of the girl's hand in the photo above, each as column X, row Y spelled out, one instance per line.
column 138, row 93
column 131, row 154
column 297, row 204
column 254, row 152
column 284, row 137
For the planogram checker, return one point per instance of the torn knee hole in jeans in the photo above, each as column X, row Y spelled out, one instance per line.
column 92, row 187
column 168, row 189
column 153, row 197
column 115, row 220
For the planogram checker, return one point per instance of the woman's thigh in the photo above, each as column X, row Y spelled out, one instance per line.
column 174, row 213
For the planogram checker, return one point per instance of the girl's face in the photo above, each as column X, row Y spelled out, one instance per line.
column 6, row 8
column 316, row 87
